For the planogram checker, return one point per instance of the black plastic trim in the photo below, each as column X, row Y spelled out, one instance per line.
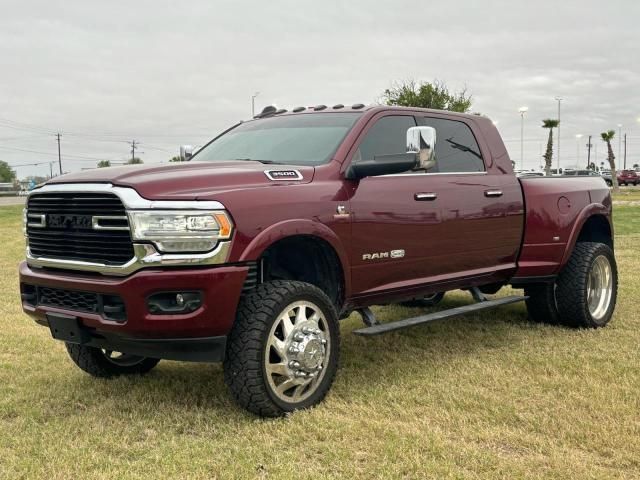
column 516, row 281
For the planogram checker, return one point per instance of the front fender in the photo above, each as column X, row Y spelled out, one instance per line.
column 289, row 228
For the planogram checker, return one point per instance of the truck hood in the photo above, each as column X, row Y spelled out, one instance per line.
column 192, row 180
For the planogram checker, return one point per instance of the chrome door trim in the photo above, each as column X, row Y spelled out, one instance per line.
column 425, row 196
column 427, row 173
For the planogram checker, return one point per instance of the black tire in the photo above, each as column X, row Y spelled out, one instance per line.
column 541, row 304
column 572, row 286
column 245, row 366
column 427, row 301
column 99, row 364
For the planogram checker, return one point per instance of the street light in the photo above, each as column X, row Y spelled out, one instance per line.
column 559, row 99
column 253, row 104
column 522, row 111
column 619, row 140
column 578, row 137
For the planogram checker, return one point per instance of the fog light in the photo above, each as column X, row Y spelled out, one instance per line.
column 172, row 303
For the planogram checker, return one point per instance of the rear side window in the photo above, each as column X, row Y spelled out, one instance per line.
column 387, row 137
column 456, row 147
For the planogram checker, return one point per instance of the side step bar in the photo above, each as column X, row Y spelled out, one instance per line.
column 452, row 312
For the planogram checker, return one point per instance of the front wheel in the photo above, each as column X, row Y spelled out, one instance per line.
column 105, row 363
column 282, row 352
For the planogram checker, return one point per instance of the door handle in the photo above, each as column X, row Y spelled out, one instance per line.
column 493, row 193
column 425, row 197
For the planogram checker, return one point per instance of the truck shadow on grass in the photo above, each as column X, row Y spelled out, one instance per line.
column 366, row 363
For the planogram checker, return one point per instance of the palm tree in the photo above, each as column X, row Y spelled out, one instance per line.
column 549, row 123
column 607, row 137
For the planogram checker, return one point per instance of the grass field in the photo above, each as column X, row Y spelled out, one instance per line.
column 484, row 396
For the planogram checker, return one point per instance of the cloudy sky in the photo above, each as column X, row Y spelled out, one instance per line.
column 170, row 73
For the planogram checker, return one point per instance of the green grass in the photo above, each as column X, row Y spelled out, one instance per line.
column 628, row 194
column 483, row 396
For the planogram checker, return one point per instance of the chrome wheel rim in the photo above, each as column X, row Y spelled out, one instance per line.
column 122, row 359
column 297, row 351
column 599, row 287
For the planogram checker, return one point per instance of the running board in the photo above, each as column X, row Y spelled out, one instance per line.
column 452, row 312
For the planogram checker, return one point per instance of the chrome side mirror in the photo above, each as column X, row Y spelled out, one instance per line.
column 422, row 142
column 186, row 152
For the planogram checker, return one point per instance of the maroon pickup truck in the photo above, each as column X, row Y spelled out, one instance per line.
column 252, row 251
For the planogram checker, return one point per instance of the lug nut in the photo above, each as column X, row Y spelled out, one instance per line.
column 293, row 349
column 294, row 364
column 298, row 337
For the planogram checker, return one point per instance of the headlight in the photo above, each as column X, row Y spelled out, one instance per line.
column 181, row 230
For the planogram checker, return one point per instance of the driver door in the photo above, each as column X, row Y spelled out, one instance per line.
column 395, row 222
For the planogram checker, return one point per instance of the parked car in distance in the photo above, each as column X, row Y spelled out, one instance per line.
column 628, row 177
column 606, row 174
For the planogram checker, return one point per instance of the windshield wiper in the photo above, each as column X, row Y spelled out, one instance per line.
column 267, row 162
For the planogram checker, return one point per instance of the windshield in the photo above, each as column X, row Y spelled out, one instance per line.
column 291, row 139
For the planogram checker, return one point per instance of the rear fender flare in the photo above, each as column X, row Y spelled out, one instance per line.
column 588, row 212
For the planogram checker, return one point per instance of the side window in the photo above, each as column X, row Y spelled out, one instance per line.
column 456, row 147
column 387, row 137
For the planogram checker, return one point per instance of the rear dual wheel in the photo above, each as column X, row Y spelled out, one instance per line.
column 585, row 292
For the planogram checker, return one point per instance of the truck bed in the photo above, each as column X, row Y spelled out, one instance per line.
column 556, row 209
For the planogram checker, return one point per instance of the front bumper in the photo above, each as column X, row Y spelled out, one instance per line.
column 172, row 336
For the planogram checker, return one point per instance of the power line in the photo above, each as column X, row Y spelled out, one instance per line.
column 80, row 157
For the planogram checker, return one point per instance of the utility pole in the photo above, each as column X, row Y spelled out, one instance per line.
column 559, row 99
column 50, row 170
column 59, row 156
column 134, row 144
column 589, row 152
column 625, row 151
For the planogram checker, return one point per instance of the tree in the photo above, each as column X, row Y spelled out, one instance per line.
column 104, row 163
column 134, row 161
column 6, row 172
column 550, row 124
column 427, row 95
column 175, row 159
column 607, row 137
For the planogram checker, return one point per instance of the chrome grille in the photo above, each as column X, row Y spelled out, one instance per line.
column 90, row 227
